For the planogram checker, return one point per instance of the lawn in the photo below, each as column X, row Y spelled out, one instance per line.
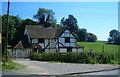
column 99, row 46
column 10, row 65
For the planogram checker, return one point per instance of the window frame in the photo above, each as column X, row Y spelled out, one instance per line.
column 43, row 40
column 67, row 39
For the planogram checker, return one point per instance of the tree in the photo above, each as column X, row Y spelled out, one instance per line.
column 13, row 23
column 29, row 22
column 82, row 35
column 91, row 37
column 114, row 36
column 117, row 40
column 45, row 17
column 71, row 23
column 59, row 25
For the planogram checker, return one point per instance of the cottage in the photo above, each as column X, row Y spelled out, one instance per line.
column 40, row 39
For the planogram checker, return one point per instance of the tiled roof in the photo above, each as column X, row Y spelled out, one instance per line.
column 41, row 32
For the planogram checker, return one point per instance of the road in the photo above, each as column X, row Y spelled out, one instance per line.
column 112, row 73
column 38, row 68
column 46, row 68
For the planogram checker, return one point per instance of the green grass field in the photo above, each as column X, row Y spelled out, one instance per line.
column 99, row 46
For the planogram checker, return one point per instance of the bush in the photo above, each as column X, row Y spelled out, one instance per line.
column 73, row 57
column 102, row 58
column 62, row 57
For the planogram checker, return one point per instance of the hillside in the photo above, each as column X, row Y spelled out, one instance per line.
column 99, row 46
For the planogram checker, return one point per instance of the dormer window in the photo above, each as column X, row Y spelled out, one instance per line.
column 40, row 40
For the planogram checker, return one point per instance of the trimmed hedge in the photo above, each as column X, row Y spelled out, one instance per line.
column 73, row 57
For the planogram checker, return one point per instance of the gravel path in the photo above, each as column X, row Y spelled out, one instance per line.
column 46, row 68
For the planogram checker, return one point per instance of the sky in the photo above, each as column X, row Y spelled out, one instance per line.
column 98, row 18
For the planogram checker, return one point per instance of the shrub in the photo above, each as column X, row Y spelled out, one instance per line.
column 73, row 57
column 102, row 58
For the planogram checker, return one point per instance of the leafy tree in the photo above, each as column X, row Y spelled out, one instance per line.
column 45, row 17
column 29, row 22
column 117, row 40
column 13, row 23
column 58, row 25
column 114, row 37
column 82, row 34
column 91, row 37
column 70, row 22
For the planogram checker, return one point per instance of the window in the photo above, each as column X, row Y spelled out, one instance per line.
column 69, row 49
column 67, row 39
column 40, row 40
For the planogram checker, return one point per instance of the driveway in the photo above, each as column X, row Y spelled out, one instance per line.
column 46, row 68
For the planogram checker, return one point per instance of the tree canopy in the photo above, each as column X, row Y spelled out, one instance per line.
column 45, row 17
column 82, row 35
column 70, row 22
column 114, row 36
column 91, row 37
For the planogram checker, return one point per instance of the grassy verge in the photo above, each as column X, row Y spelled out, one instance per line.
column 11, row 66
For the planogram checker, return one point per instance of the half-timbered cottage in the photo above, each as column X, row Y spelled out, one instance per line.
column 40, row 39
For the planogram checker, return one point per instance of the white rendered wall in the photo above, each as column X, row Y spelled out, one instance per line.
column 34, row 41
column 46, row 42
column 41, row 44
column 63, row 50
column 74, row 50
column 52, row 43
column 61, row 40
column 80, row 50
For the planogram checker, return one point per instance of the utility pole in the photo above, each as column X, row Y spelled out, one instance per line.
column 7, row 29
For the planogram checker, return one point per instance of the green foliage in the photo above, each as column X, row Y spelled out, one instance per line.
column 58, row 25
column 103, row 58
column 45, row 17
column 114, row 37
column 82, row 34
column 73, row 57
column 70, row 22
column 10, row 65
column 91, row 37
column 13, row 22
column 29, row 22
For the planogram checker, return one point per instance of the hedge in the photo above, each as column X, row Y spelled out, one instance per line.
column 73, row 57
